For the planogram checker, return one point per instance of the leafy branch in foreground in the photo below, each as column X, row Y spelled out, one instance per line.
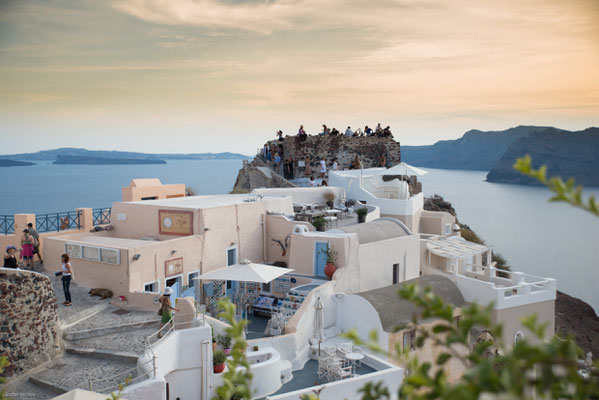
column 546, row 369
column 238, row 378
column 567, row 191
column 3, row 364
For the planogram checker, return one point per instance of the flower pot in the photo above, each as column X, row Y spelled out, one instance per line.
column 361, row 219
column 329, row 270
column 256, row 348
column 213, row 347
column 219, row 368
column 330, row 204
column 227, row 351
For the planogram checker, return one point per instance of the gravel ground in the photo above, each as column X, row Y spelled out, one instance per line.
column 131, row 341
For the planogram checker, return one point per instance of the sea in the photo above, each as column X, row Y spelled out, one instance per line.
column 534, row 235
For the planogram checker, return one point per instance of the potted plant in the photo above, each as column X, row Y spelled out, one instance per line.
column 330, row 268
column 218, row 360
column 362, row 212
column 319, row 223
column 329, row 197
column 256, row 348
column 225, row 342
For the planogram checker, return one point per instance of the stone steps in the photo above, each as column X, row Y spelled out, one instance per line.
column 75, row 371
column 122, row 341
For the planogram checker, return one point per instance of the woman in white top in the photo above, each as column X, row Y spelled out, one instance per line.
column 67, row 275
column 323, row 168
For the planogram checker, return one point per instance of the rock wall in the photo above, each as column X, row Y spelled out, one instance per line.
column 345, row 149
column 256, row 175
column 29, row 326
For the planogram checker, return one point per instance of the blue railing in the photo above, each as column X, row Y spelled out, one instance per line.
column 101, row 215
column 7, row 224
column 55, row 222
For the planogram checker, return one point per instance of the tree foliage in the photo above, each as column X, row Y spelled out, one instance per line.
column 568, row 191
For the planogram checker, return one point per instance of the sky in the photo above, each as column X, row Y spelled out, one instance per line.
column 179, row 76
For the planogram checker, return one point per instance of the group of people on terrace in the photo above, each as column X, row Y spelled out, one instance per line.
column 379, row 131
column 30, row 246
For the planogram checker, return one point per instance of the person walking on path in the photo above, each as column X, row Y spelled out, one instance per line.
column 67, row 276
column 27, row 248
column 10, row 259
column 277, row 162
column 36, row 242
column 323, row 167
column 166, row 309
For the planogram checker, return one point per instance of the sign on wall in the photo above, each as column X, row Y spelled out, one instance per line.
column 93, row 253
column 174, row 222
column 173, row 267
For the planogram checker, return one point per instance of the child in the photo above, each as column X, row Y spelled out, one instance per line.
column 10, row 259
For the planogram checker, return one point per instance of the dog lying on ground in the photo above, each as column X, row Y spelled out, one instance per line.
column 103, row 293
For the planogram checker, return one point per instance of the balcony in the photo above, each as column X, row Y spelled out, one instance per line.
column 483, row 285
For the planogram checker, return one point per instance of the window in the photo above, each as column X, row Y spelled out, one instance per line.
column 190, row 281
column 231, row 259
column 408, row 340
column 152, row 287
column 447, row 229
column 395, row 273
column 518, row 337
column 266, row 287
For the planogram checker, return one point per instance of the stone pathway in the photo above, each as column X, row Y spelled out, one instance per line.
column 73, row 371
column 103, row 333
column 131, row 341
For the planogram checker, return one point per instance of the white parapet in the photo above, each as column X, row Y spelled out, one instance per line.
column 482, row 285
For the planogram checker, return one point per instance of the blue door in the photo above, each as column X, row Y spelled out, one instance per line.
column 173, row 297
column 231, row 259
column 320, row 258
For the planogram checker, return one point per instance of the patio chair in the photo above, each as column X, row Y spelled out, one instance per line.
column 337, row 372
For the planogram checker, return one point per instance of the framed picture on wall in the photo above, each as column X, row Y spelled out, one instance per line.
column 173, row 267
column 175, row 222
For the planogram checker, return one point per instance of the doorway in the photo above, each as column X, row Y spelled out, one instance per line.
column 231, row 260
column 320, row 258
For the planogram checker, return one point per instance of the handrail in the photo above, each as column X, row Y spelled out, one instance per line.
column 101, row 216
column 7, row 224
column 92, row 381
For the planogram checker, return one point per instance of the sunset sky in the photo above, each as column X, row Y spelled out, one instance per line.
column 210, row 75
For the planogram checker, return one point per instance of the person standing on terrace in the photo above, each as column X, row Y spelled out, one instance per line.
column 323, row 167
column 302, row 133
column 10, row 259
column 166, row 309
column 27, row 248
column 277, row 162
column 349, row 132
column 36, row 242
column 280, row 134
column 67, row 276
column 308, row 169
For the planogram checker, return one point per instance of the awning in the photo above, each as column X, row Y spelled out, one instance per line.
column 403, row 169
column 246, row 271
column 455, row 247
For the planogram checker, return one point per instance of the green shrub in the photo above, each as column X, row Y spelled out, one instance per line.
column 362, row 211
column 219, row 357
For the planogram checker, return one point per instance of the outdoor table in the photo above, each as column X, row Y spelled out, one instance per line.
column 333, row 212
column 354, row 358
column 309, row 215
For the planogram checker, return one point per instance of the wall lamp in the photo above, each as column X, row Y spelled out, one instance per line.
column 137, row 257
column 173, row 252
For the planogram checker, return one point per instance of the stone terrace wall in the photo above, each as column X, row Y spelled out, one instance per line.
column 345, row 149
column 29, row 327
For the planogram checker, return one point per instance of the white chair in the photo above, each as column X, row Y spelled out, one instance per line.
column 337, row 372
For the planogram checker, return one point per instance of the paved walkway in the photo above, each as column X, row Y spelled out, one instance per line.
column 108, row 317
column 131, row 341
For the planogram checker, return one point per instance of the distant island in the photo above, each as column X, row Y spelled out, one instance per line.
column 82, row 160
column 52, row 155
column 14, row 163
column 566, row 153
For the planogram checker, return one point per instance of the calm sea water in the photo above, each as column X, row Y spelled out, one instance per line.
column 537, row 237
column 46, row 187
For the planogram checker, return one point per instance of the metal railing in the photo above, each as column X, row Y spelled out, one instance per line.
column 127, row 376
column 101, row 216
column 60, row 221
column 7, row 224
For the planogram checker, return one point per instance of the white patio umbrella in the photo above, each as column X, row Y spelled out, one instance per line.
column 246, row 271
column 403, row 169
column 318, row 322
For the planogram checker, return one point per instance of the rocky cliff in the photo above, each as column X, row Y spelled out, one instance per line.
column 566, row 154
column 344, row 149
column 475, row 150
column 29, row 327
column 257, row 174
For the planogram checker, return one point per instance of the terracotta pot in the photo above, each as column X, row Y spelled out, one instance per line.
column 227, row 351
column 219, row 368
column 213, row 347
column 329, row 270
